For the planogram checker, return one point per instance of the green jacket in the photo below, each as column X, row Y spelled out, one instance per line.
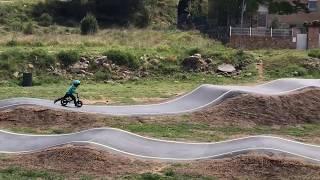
column 72, row 89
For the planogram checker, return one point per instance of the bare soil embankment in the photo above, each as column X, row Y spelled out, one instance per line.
column 290, row 109
column 244, row 110
column 73, row 161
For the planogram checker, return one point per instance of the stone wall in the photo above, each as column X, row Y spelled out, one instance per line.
column 259, row 42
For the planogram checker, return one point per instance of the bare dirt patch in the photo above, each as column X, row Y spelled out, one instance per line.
column 295, row 108
column 73, row 161
column 43, row 118
column 243, row 111
column 252, row 167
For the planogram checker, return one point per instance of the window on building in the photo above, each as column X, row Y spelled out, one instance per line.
column 313, row 5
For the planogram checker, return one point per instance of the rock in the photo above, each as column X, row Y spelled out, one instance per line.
column 79, row 67
column 154, row 62
column 89, row 74
column 109, row 82
column 107, row 66
column 127, row 72
column 30, row 66
column 209, row 61
column 194, row 63
column 82, row 72
column 226, row 68
column 197, row 55
column 83, row 59
column 16, row 74
column 312, row 63
column 135, row 78
column 144, row 74
column 101, row 60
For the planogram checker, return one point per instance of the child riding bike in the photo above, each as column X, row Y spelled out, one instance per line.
column 70, row 92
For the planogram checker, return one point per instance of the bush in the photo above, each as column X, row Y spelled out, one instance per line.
column 241, row 59
column 294, row 70
column 193, row 51
column 45, row 19
column 41, row 58
column 89, row 25
column 11, row 59
column 122, row 58
column 102, row 75
column 28, row 28
column 68, row 58
column 314, row 53
column 16, row 26
column 12, row 43
column 150, row 176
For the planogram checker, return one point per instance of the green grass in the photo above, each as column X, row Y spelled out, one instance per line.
column 127, row 92
column 167, row 175
column 285, row 63
column 13, row 173
column 193, row 131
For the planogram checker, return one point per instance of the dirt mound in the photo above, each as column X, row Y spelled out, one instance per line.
column 74, row 161
column 294, row 108
column 244, row 110
column 87, row 160
column 252, row 167
column 42, row 119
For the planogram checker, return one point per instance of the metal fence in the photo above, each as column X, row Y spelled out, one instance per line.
column 264, row 32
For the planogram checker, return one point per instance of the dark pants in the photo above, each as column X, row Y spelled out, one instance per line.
column 66, row 96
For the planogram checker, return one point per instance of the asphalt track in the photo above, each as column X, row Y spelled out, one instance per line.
column 134, row 145
column 203, row 96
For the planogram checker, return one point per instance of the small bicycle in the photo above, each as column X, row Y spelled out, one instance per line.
column 66, row 101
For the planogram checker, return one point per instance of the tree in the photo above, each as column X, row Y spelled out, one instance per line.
column 107, row 12
column 89, row 25
column 228, row 12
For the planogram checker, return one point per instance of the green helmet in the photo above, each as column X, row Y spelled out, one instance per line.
column 76, row 82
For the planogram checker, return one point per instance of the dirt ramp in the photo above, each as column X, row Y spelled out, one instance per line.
column 252, row 166
column 297, row 107
column 71, row 159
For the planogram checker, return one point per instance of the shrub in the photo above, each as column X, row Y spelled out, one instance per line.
column 45, row 19
column 193, row 51
column 10, row 59
column 314, row 53
column 28, row 28
column 294, row 70
column 89, row 25
column 102, row 75
column 41, row 58
column 68, row 58
column 122, row 58
column 242, row 59
column 16, row 26
column 12, row 43
column 150, row 176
